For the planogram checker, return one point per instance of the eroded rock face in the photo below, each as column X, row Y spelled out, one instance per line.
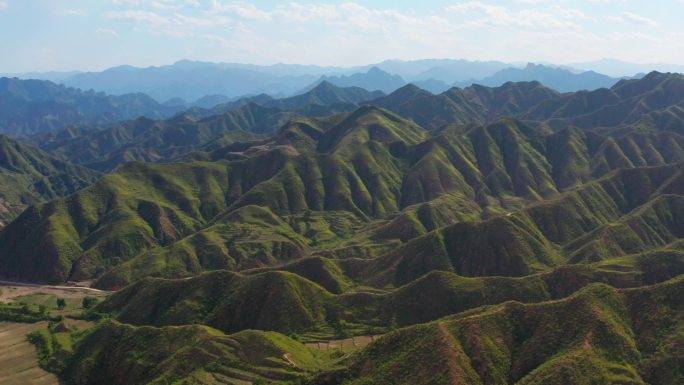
column 9, row 211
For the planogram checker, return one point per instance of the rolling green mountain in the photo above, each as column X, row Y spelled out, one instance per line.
column 323, row 95
column 114, row 353
column 491, row 235
column 257, row 118
column 628, row 212
column 29, row 107
column 29, row 176
column 179, row 219
column 474, row 104
column 651, row 103
column 326, row 94
column 599, row 335
column 150, row 140
column 227, row 301
column 286, row 299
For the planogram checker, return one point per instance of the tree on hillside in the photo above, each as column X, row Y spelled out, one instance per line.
column 61, row 303
column 89, row 302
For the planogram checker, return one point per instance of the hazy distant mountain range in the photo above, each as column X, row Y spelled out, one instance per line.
column 193, row 81
column 29, row 107
column 374, row 79
column 203, row 84
column 32, row 106
column 612, row 67
column 559, row 79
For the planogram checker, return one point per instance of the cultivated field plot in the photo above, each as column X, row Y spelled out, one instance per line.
column 353, row 342
column 45, row 295
column 18, row 357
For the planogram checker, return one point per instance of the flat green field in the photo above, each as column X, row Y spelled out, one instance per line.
column 18, row 357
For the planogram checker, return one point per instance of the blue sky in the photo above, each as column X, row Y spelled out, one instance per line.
column 42, row 35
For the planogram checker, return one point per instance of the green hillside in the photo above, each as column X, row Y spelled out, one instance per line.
column 652, row 103
column 114, row 353
column 325, row 94
column 277, row 299
column 178, row 219
column 599, row 335
column 148, row 140
column 628, row 103
column 29, row 176
column 227, row 301
column 475, row 104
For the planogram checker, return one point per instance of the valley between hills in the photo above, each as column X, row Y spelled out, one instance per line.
column 483, row 235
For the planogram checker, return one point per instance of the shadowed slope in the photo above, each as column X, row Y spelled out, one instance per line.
column 599, row 335
column 227, row 301
column 113, row 353
column 29, row 175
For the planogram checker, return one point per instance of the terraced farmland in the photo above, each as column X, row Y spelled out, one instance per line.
column 18, row 357
column 351, row 343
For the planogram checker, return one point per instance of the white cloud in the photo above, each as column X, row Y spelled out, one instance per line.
column 350, row 33
column 240, row 9
column 3, row 5
column 198, row 22
column 570, row 13
column 127, row 2
column 167, row 4
column 177, row 33
column 159, row 4
column 336, row 34
column 633, row 18
column 105, row 33
column 137, row 16
column 495, row 15
column 296, row 12
column 72, row 12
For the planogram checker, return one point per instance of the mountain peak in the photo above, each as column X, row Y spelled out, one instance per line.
column 374, row 79
column 377, row 71
column 408, row 91
column 325, row 84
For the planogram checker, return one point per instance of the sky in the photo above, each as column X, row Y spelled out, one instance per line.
column 63, row 35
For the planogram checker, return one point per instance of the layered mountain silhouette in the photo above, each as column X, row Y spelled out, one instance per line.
column 649, row 103
column 559, row 79
column 29, row 107
column 150, row 140
column 257, row 117
column 193, row 80
column 203, row 84
column 374, row 79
